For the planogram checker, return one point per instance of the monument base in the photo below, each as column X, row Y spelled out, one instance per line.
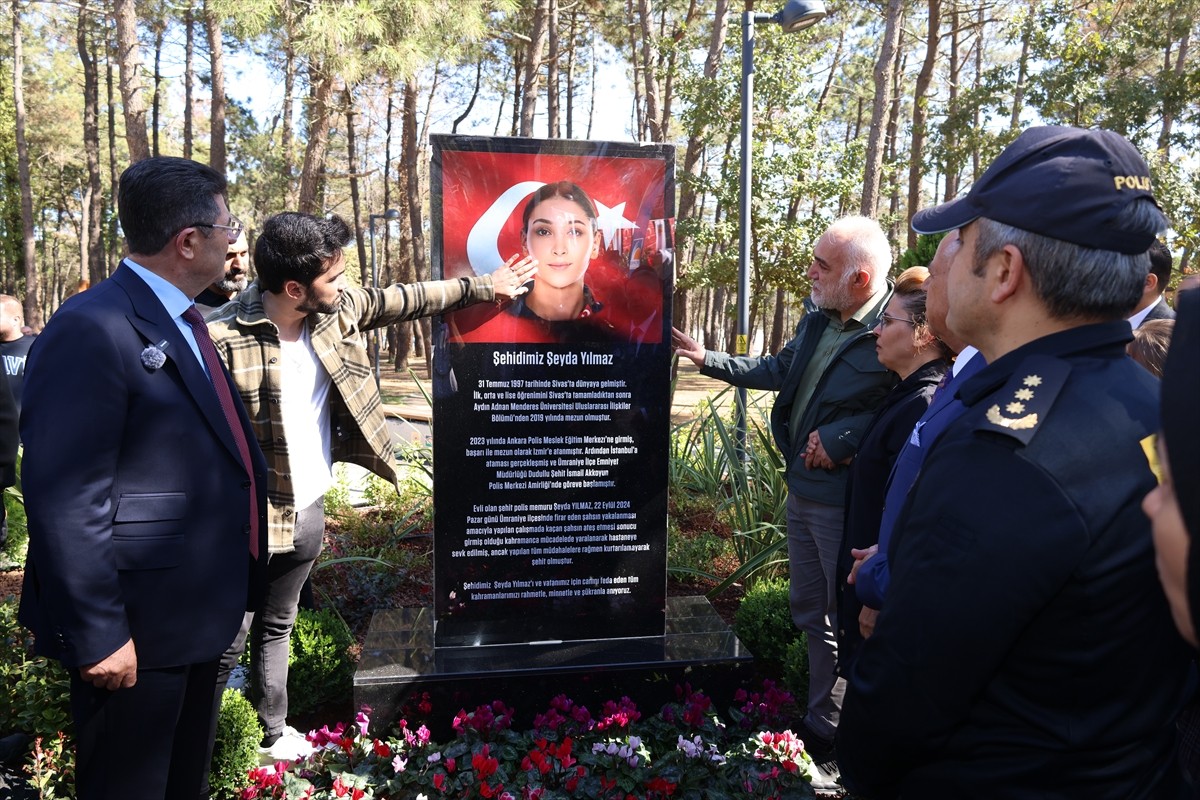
column 400, row 665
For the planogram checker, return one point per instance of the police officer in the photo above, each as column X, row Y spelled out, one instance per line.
column 1025, row 649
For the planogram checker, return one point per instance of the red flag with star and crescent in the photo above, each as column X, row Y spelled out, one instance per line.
column 483, row 195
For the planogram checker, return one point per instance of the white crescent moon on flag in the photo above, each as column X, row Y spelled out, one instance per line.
column 483, row 250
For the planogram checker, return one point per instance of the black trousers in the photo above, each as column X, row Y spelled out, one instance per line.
column 149, row 741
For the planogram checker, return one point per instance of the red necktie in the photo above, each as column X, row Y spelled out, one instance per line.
column 217, row 375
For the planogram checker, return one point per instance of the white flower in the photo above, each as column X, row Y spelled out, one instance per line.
column 153, row 356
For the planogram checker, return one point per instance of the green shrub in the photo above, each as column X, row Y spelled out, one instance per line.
column 320, row 667
column 38, row 703
column 18, row 529
column 688, row 557
column 236, row 749
column 764, row 620
column 795, row 670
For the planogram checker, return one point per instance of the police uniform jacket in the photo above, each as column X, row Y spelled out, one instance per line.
column 843, row 402
column 1025, row 648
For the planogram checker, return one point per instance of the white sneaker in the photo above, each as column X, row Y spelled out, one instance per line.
column 290, row 746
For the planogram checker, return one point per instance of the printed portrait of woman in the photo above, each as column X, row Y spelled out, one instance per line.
column 559, row 231
column 596, row 226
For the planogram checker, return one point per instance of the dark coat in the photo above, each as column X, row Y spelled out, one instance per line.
column 137, row 499
column 1026, row 648
column 865, row 491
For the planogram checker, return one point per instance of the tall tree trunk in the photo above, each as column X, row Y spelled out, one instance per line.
column 873, row 166
column 352, row 167
column 920, row 119
column 1014, row 123
column 320, row 111
column 571, row 61
column 160, row 31
column 92, row 248
column 409, row 166
column 1170, row 108
column 129, row 59
column 976, row 84
column 654, row 120
column 114, row 174
column 552, row 88
column 401, row 333
column 286, row 140
column 893, row 135
column 949, row 134
column 216, row 55
column 470, row 103
column 692, row 161
column 533, row 65
column 189, row 80
column 33, row 308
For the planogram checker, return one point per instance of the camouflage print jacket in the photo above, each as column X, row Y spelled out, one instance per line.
column 248, row 342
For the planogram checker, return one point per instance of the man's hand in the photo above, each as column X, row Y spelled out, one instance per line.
column 860, row 557
column 866, row 621
column 117, row 671
column 687, row 347
column 509, row 280
column 815, row 456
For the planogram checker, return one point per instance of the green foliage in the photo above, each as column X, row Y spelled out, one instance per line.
column 795, row 669
column 236, row 749
column 764, row 620
column 918, row 256
column 320, row 668
column 689, row 555
column 751, row 493
column 37, row 704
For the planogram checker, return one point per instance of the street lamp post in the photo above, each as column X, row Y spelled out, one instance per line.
column 793, row 17
column 388, row 215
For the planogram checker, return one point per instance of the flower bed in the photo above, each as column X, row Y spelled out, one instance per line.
column 686, row 750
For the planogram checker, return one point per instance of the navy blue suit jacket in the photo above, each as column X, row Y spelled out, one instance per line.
column 138, row 502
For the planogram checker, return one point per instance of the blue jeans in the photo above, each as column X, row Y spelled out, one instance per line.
column 271, row 627
column 814, row 539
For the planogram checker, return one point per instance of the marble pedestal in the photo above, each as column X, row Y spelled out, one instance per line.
column 400, row 664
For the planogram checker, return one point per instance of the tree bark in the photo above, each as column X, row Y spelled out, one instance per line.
column 352, row 167
column 189, row 79
column 216, row 54
column 319, row 113
column 286, row 140
column 114, row 174
column 873, row 166
column 410, row 158
column 92, row 246
column 160, row 30
column 533, row 66
column 552, row 89
column 920, row 119
column 33, row 309
column 654, row 121
column 129, row 59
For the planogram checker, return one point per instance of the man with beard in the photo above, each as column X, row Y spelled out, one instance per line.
column 237, row 273
column 829, row 385
column 292, row 343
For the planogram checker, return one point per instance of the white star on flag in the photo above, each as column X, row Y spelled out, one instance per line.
column 611, row 221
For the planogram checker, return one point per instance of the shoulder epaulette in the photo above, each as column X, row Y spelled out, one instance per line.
column 1021, row 405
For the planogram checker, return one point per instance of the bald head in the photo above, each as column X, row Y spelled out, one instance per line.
column 850, row 263
column 12, row 318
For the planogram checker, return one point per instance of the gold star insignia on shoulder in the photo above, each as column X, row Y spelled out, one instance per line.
column 1024, row 403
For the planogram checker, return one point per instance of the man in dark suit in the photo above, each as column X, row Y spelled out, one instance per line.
column 1153, row 305
column 144, row 489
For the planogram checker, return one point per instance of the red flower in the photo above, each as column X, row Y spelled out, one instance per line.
column 381, row 749
column 450, row 765
column 439, row 782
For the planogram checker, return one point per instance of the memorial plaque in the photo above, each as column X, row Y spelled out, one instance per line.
column 551, row 411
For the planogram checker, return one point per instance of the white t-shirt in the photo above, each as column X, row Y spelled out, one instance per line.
column 304, row 405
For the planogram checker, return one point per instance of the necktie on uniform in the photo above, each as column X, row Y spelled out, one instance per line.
column 208, row 352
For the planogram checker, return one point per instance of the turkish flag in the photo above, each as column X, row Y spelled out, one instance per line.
column 483, row 197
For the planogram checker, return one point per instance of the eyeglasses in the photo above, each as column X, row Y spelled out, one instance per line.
column 886, row 319
column 232, row 232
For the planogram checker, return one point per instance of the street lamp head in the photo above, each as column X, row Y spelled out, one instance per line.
column 392, row 213
column 800, row 14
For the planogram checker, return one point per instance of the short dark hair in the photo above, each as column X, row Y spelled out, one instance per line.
column 1151, row 340
column 1160, row 264
column 297, row 247
column 565, row 190
column 158, row 197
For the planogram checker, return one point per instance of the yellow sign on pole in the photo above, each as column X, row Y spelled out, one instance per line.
column 741, row 344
